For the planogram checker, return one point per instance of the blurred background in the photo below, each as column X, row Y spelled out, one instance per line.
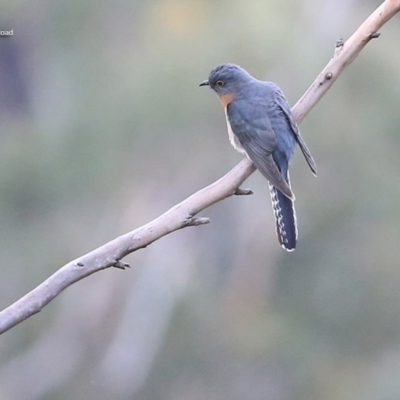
column 103, row 128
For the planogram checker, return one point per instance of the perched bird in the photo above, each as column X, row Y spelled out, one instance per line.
column 261, row 125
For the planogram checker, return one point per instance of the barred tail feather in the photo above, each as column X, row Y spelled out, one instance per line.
column 285, row 218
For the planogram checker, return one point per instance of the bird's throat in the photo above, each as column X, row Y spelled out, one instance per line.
column 226, row 98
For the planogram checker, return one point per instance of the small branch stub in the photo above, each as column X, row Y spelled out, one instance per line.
column 339, row 42
column 242, row 192
column 338, row 47
column 121, row 265
column 195, row 221
column 374, row 35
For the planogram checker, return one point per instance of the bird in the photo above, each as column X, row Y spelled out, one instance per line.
column 261, row 125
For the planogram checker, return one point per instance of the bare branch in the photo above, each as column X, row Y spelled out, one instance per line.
column 183, row 214
column 110, row 254
column 345, row 53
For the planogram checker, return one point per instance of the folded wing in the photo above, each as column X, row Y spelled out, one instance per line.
column 258, row 139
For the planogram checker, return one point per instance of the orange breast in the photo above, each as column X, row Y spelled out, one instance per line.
column 226, row 98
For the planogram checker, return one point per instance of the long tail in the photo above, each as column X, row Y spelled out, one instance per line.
column 285, row 218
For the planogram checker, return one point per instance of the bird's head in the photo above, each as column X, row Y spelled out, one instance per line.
column 227, row 80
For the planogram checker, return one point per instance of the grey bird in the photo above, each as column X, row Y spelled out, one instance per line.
column 261, row 125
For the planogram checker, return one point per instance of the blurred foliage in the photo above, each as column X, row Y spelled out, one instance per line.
column 103, row 127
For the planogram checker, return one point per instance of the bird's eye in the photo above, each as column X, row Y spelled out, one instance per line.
column 220, row 83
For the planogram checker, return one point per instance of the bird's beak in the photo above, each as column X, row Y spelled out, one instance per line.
column 205, row 83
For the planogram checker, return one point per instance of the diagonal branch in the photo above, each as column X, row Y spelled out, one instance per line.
column 183, row 214
column 345, row 53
